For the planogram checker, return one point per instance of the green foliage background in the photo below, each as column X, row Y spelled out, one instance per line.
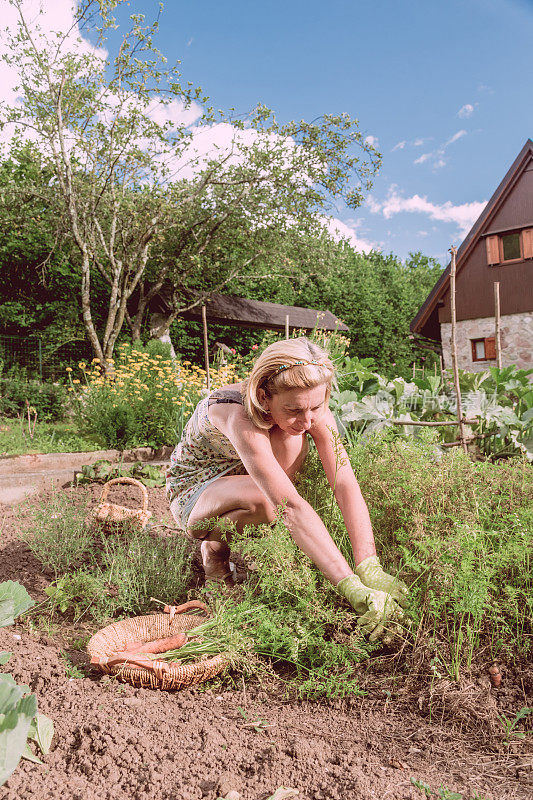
column 375, row 294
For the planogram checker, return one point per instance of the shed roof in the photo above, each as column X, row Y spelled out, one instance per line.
column 245, row 313
column 424, row 321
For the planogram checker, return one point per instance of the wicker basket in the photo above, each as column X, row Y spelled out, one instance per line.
column 160, row 674
column 111, row 514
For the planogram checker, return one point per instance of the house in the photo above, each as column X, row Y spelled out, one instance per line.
column 499, row 248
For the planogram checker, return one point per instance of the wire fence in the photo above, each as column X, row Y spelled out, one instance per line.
column 40, row 360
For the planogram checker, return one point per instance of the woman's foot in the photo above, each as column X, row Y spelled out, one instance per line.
column 215, row 561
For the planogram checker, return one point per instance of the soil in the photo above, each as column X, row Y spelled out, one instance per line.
column 115, row 742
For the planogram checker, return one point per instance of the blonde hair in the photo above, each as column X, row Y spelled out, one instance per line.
column 288, row 364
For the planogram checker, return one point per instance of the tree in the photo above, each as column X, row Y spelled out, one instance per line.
column 377, row 296
column 126, row 174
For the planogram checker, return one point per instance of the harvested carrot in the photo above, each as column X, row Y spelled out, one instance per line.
column 129, row 660
column 186, row 607
column 158, row 645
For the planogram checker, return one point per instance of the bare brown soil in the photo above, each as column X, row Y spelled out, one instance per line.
column 116, row 742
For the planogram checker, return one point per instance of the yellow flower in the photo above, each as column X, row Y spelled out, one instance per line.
column 75, row 380
column 70, row 389
column 95, row 361
column 68, row 369
column 82, row 365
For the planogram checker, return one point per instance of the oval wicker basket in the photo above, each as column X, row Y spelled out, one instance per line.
column 112, row 514
column 175, row 675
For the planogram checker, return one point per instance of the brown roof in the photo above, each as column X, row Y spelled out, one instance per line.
column 246, row 313
column 425, row 317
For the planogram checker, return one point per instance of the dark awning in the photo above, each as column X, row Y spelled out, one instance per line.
column 244, row 313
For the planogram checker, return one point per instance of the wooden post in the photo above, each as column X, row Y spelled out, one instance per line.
column 453, row 343
column 286, row 326
column 206, row 348
column 497, row 332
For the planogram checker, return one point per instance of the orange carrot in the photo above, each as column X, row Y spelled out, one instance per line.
column 186, row 607
column 158, row 645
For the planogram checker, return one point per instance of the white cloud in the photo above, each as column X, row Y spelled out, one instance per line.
column 372, row 141
column 466, row 111
column 48, row 17
column 437, row 156
column 463, row 215
column 454, row 138
column 419, row 142
column 340, row 230
column 399, row 146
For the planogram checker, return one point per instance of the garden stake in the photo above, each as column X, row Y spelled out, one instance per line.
column 497, row 333
column 453, row 251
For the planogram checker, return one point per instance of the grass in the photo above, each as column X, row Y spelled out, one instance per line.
column 47, row 437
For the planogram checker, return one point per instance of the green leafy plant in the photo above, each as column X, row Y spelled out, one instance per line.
column 19, row 719
column 14, row 601
column 71, row 670
column 104, row 470
column 510, row 724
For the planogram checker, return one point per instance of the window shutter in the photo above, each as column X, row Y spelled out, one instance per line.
column 490, row 347
column 527, row 242
column 493, row 250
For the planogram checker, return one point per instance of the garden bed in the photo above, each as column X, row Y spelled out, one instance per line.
column 114, row 741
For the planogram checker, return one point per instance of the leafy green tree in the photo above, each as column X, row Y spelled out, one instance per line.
column 377, row 296
column 119, row 159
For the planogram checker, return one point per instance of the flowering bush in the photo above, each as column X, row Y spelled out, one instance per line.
column 145, row 401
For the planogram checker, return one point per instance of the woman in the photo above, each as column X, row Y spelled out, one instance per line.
column 237, row 460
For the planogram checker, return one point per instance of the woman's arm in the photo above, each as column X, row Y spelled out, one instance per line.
column 306, row 527
column 344, row 484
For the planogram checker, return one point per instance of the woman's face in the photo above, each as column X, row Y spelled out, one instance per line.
column 296, row 410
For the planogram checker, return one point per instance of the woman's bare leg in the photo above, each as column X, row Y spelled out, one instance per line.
column 238, row 499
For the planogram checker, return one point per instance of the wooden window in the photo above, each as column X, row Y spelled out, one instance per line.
column 484, row 349
column 510, row 247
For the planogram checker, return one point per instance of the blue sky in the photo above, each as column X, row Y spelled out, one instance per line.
column 445, row 84
column 444, row 89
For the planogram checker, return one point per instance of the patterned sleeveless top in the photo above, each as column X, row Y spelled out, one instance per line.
column 203, row 453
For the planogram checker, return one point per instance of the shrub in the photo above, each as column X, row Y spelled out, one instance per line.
column 145, row 401
column 48, row 399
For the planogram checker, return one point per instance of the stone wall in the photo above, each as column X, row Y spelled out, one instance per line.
column 516, row 340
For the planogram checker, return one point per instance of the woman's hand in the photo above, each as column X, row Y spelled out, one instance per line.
column 379, row 613
column 372, row 575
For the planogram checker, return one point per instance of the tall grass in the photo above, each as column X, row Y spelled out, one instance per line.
column 459, row 532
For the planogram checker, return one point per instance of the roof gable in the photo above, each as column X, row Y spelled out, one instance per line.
column 482, row 223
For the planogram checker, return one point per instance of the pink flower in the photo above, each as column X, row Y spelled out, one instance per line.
column 255, row 346
column 232, row 350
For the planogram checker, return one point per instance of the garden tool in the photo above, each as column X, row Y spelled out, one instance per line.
column 372, row 575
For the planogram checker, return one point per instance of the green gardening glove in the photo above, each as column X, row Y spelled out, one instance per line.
column 373, row 576
column 378, row 611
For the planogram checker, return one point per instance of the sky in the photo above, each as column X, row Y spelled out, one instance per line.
column 443, row 90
